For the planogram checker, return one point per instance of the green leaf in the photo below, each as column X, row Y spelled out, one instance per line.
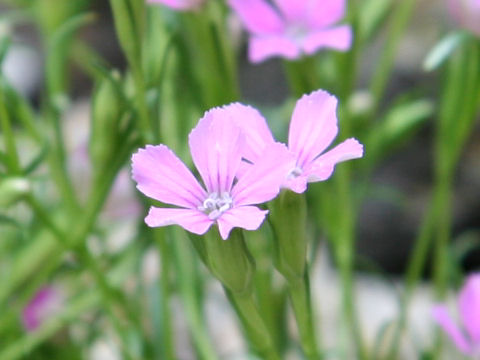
column 372, row 14
column 442, row 50
column 37, row 160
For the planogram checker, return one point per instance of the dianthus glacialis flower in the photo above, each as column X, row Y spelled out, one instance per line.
column 467, row 336
column 179, row 5
column 466, row 13
column 216, row 145
column 313, row 127
column 44, row 304
column 291, row 28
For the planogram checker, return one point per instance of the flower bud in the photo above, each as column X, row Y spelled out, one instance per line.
column 107, row 108
column 44, row 305
column 229, row 260
column 288, row 215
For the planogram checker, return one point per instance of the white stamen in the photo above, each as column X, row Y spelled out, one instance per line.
column 294, row 173
column 216, row 204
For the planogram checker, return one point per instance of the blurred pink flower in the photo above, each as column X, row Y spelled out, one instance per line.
column 45, row 304
column 467, row 336
column 181, row 5
column 291, row 28
column 466, row 13
column 216, row 145
column 313, row 127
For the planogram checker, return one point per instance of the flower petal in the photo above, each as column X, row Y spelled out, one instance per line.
column 255, row 128
column 216, row 145
column 245, row 217
column 262, row 181
column 190, row 219
column 292, row 10
column 297, row 184
column 469, row 307
column 258, row 16
column 324, row 13
column 161, row 175
column 45, row 304
column 313, row 126
column 261, row 48
column 322, row 167
column 338, row 38
column 441, row 316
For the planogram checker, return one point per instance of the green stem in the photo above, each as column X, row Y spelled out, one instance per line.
column 9, row 137
column 288, row 216
column 254, row 325
column 141, row 103
column 187, row 275
column 300, row 297
column 302, row 75
column 109, row 295
column 401, row 16
column 344, row 243
column 167, row 347
column 271, row 299
column 214, row 64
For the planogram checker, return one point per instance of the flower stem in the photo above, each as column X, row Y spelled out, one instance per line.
column 300, row 297
column 9, row 137
column 344, row 243
column 167, row 347
column 302, row 75
column 288, row 217
column 108, row 294
column 232, row 264
column 401, row 16
column 187, row 275
column 254, row 325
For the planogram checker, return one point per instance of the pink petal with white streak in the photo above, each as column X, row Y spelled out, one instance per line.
column 161, row 175
column 245, row 217
column 190, row 219
column 216, row 145
column 313, row 126
column 261, row 48
column 338, row 38
column 322, row 167
column 292, row 10
column 441, row 316
column 255, row 128
column 258, row 16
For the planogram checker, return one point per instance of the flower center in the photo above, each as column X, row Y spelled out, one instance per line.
column 216, row 204
column 296, row 32
column 294, row 173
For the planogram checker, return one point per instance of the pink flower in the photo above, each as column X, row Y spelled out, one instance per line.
column 44, row 304
column 467, row 337
column 180, row 5
column 312, row 129
column 216, row 146
column 292, row 27
column 466, row 13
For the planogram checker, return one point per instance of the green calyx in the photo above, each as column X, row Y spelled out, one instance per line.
column 288, row 216
column 229, row 260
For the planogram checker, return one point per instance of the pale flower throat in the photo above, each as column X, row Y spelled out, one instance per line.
column 216, row 204
column 294, row 173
